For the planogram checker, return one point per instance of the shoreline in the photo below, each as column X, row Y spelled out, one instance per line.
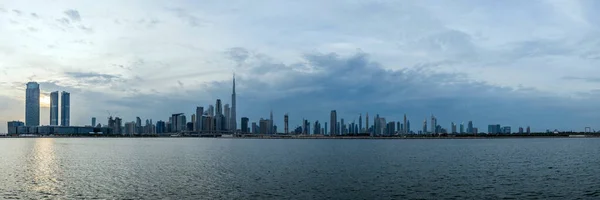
column 307, row 137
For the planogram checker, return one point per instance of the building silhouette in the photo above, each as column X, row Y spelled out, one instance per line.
column 65, row 109
column 32, row 104
column 54, row 108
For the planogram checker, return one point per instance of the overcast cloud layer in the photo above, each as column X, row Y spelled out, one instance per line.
column 510, row 62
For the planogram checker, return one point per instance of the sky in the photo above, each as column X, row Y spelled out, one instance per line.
column 518, row 63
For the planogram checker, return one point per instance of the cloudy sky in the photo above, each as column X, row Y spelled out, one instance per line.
column 510, row 62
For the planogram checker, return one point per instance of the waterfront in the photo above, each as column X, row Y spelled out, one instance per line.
column 210, row 168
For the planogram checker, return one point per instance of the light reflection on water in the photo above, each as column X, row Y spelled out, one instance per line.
column 43, row 166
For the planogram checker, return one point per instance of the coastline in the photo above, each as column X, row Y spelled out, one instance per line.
column 316, row 137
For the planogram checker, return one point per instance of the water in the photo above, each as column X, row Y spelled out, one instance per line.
column 201, row 168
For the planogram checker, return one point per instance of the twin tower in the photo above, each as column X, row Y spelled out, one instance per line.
column 32, row 106
column 65, row 109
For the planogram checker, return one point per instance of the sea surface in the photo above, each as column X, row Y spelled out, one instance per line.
column 208, row 168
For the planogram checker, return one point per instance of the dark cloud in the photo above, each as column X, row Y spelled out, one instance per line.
column 64, row 21
column 94, row 78
column 34, row 15
column 239, row 55
column 585, row 79
column 357, row 84
column 86, row 29
column 18, row 12
column 187, row 17
column 73, row 15
column 32, row 29
column 148, row 22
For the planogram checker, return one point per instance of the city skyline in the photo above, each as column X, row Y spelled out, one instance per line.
column 221, row 121
column 421, row 61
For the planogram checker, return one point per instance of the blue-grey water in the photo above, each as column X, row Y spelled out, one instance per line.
column 200, row 168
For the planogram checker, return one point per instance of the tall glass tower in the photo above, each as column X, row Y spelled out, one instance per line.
column 32, row 104
column 54, row 108
column 233, row 120
column 65, row 109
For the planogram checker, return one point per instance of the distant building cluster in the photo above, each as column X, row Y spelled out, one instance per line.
column 222, row 119
column 32, row 115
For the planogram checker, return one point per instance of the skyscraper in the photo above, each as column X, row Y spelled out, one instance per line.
column 233, row 122
column 245, row 125
column 93, row 121
column 65, row 108
column 425, row 126
column 462, row 128
column 227, row 117
column 219, row 115
column 271, row 125
column 285, row 124
column 54, row 109
column 407, row 126
column 470, row 127
column 433, row 124
column 138, row 125
column 367, row 123
column 405, row 130
column 359, row 123
column 199, row 118
column 211, row 110
column 333, row 123
column 219, row 108
column 32, row 104
column 453, row 127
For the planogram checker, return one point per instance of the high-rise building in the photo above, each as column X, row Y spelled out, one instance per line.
column 494, row 129
column 138, row 125
column 367, row 123
column 359, row 123
column 199, row 118
column 470, row 128
column 528, row 130
column 177, row 122
column 425, row 126
column 333, row 123
column 271, row 124
column 233, row 122
column 193, row 121
column 285, row 124
column 407, row 126
column 219, row 115
column 219, row 108
column 227, row 118
column 342, row 125
column 462, row 128
column 54, row 109
column 264, row 126
column 405, row 131
column 453, row 128
column 506, row 130
column 254, row 128
column 93, row 121
column 433, row 124
column 245, row 125
column 65, row 108
column 211, row 110
column 32, row 104
column 160, row 127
